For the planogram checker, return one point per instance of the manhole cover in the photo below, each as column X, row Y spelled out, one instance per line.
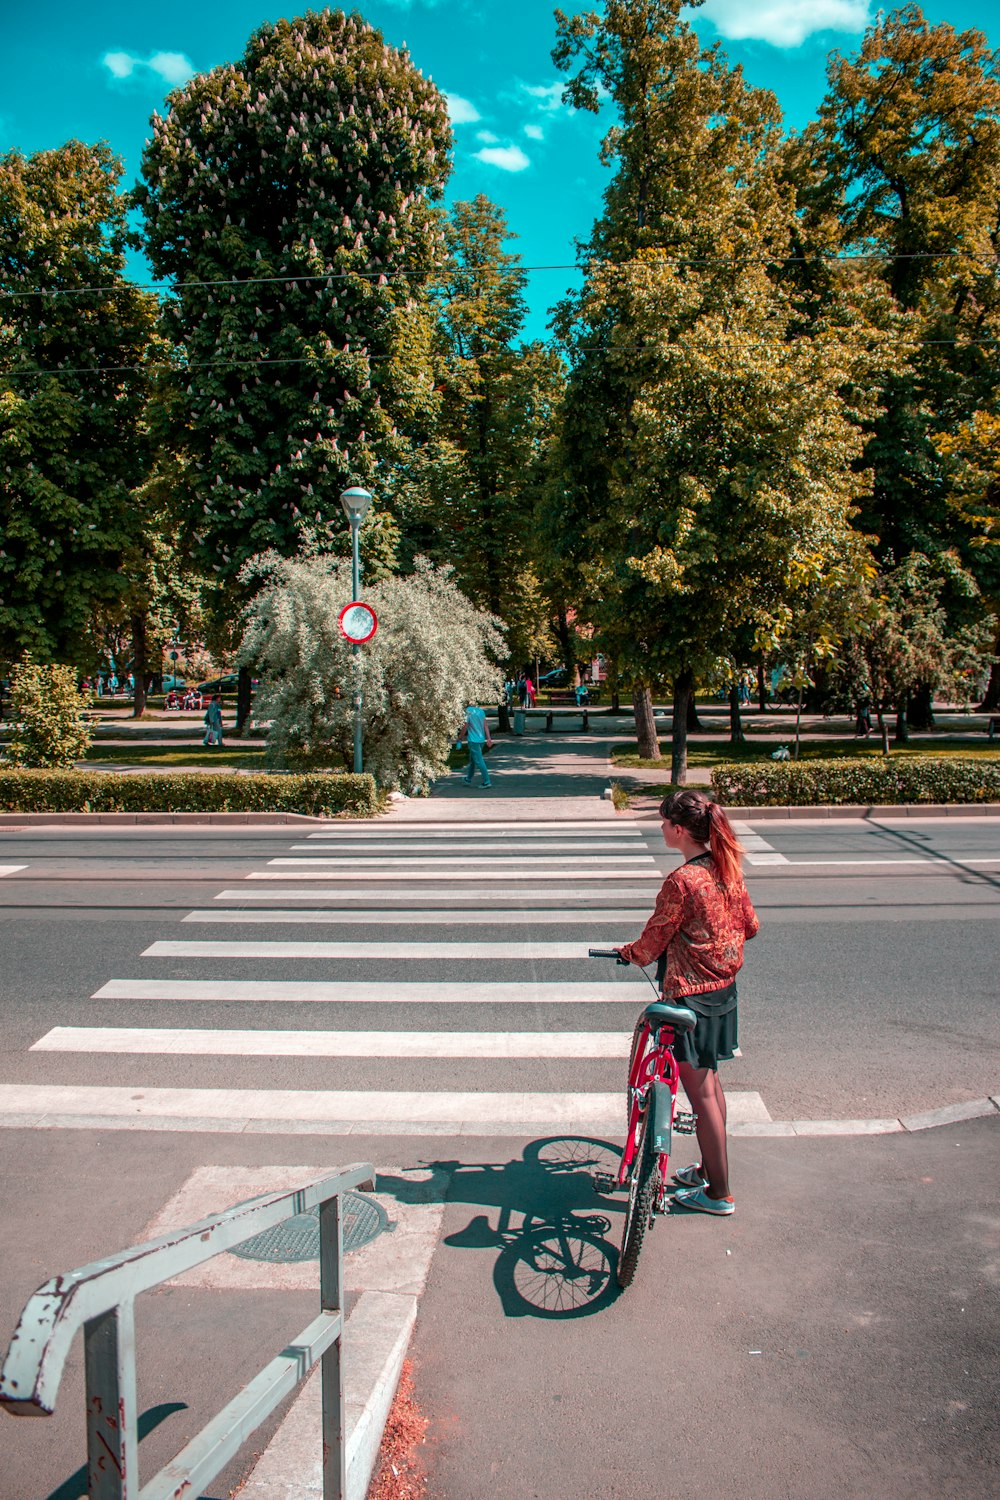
column 297, row 1238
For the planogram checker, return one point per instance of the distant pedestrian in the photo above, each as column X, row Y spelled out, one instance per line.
column 863, row 721
column 522, row 690
column 476, row 731
column 529, row 692
column 213, row 722
column 113, row 684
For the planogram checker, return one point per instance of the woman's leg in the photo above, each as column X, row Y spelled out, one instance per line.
column 708, row 1101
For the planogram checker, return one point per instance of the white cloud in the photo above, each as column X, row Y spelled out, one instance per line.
column 547, row 96
column 487, row 138
column 461, row 111
column 534, row 132
column 784, row 23
column 507, row 158
column 172, row 68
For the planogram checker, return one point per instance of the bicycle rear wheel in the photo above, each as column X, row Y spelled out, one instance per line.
column 639, row 1211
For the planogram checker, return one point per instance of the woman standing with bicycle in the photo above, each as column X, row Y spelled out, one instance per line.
column 703, row 916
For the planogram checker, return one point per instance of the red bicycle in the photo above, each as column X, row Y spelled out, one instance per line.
column 651, row 1119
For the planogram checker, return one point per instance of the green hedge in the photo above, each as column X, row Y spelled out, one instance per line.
column 859, row 783
column 318, row 795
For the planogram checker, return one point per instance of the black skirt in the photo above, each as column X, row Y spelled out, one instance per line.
column 715, row 1037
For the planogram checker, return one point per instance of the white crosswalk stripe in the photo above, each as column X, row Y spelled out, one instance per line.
column 401, row 918
column 412, row 952
column 380, row 880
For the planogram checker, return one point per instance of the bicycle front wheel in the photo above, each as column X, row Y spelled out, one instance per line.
column 639, row 1212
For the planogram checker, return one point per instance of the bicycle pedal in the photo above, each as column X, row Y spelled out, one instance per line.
column 685, row 1122
column 604, row 1182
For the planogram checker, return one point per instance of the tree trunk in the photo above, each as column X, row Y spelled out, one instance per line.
column 761, row 689
column 645, row 724
column 616, row 702
column 920, row 711
column 991, row 702
column 139, row 665
column 243, row 699
column 883, row 727
column 736, row 735
column 798, row 725
column 902, row 735
column 683, row 683
column 694, row 724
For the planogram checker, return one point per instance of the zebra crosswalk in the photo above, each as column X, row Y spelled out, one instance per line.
column 505, row 1029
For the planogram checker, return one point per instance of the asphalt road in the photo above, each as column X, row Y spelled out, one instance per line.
column 870, row 992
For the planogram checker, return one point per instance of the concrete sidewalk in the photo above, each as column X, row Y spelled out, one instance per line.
column 834, row 1340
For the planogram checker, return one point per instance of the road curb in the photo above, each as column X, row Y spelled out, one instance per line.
column 648, row 807
column 949, row 1114
column 376, row 1338
column 85, row 820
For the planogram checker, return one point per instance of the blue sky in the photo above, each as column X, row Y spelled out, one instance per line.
column 97, row 72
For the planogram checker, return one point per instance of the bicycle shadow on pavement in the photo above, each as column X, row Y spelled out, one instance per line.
column 555, row 1260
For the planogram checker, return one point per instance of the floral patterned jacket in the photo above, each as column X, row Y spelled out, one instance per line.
column 700, row 926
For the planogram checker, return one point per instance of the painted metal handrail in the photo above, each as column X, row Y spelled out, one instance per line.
column 100, row 1298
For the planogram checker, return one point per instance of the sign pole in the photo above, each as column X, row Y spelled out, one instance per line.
column 359, row 764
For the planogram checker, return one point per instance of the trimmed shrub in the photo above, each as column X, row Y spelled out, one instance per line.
column 102, row 791
column 47, row 712
column 858, row 783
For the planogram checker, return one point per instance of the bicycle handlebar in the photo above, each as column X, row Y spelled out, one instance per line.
column 607, row 953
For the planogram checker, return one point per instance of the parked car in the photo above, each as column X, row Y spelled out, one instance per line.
column 170, row 681
column 226, row 684
column 557, row 678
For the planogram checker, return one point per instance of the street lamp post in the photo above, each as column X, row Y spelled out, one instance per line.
column 355, row 502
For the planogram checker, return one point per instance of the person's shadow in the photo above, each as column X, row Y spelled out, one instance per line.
column 555, row 1260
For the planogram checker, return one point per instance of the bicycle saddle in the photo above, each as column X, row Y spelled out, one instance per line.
column 677, row 1016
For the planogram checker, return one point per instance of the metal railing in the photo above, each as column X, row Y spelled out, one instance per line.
column 100, row 1298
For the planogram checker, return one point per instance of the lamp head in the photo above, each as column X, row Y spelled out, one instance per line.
column 355, row 502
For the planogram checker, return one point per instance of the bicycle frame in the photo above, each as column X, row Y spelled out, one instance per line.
column 652, row 1085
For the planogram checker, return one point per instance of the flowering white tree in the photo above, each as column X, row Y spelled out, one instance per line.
column 433, row 653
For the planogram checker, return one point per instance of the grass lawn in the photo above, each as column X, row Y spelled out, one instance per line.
column 239, row 757
column 720, row 751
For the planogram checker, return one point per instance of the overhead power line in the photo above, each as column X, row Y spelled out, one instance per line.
column 329, row 277
column 251, row 364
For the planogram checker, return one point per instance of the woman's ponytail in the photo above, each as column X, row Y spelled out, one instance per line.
column 707, row 823
column 725, row 846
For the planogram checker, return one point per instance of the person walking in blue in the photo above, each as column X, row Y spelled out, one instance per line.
column 476, row 731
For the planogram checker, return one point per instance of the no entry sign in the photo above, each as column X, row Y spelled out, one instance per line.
column 358, row 623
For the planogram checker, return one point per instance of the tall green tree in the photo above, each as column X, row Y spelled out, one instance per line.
column 290, row 199
column 902, row 169
column 706, row 468
column 472, row 491
column 76, row 339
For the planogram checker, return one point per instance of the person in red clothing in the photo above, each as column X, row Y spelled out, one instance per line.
column 702, row 918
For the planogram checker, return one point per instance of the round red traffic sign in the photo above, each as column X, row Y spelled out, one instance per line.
column 358, row 623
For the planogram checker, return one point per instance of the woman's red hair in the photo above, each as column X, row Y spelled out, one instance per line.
column 707, row 823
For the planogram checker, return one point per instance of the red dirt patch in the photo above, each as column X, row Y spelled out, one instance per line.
column 400, row 1474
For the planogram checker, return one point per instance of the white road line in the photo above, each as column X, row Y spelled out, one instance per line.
column 930, row 858
column 392, row 916
column 399, row 1044
column 487, row 896
column 357, row 893
column 527, row 851
column 451, row 861
column 412, row 952
column 381, row 992
column 362, row 875
column 11, row 869
column 758, row 850
column 604, row 830
column 336, row 1111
